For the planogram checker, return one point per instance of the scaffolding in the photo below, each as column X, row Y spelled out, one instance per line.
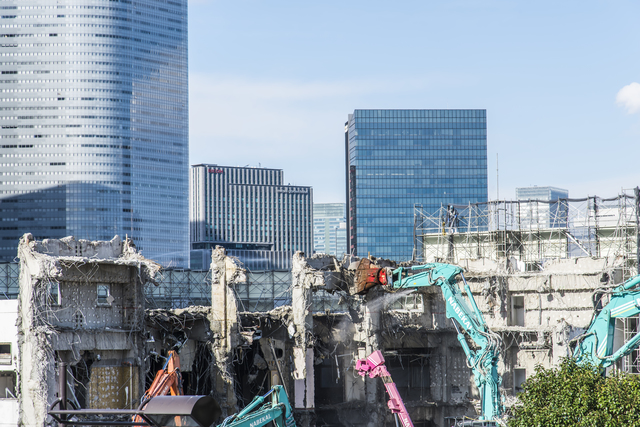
column 524, row 235
column 530, row 232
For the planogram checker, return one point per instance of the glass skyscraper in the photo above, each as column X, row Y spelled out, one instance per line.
column 94, row 114
column 329, row 226
column 396, row 159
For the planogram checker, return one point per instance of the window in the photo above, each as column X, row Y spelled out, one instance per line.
column 104, row 295
column 54, row 293
column 5, row 354
column 409, row 369
column 519, row 376
column 517, row 311
column 411, row 303
column 7, row 384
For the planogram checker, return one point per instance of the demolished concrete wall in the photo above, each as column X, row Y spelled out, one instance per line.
column 313, row 355
column 536, row 314
column 81, row 303
column 224, row 321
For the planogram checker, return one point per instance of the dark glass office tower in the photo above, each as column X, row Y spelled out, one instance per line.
column 396, row 159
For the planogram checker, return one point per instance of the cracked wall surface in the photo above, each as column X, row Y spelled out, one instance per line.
column 81, row 303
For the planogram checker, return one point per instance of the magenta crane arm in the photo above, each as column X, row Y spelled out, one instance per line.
column 375, row 368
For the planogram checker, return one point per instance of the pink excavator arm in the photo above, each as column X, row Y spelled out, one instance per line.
column 375, row 368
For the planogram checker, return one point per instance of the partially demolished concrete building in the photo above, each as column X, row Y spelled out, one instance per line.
column 236, row 355
column 80, row 303
column 313, row 354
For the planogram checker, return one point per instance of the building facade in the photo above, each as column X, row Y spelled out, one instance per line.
column 396, row 159
column 329, row 227
column 547, row 194
column 250, row 212
column 553, row 212
column 94, row 113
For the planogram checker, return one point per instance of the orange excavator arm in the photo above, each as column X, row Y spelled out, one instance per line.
column 167, row 381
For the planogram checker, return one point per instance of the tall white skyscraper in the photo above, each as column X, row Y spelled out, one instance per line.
column 94, row 115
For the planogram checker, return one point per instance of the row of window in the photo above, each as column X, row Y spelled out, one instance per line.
column 115, row 28
column 422, row 132
column 125, row 18
column 118, row 9
column 132, row 111
column 46, row 49
column 120, row 74
column 420, row 113
column 103, row 118
column 464, row 154
column 121, row 65
column 170, row 87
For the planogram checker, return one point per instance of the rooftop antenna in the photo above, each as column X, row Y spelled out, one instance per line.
column 497, row 179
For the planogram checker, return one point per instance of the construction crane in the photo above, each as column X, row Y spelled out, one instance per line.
column 374, row 366
column 468, row 321
column 595, row 345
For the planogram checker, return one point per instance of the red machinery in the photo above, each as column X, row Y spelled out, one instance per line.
column 375, row 368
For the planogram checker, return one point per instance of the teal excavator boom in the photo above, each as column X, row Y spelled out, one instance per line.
column 258, row 413
column 483, row 360
column 596, row 344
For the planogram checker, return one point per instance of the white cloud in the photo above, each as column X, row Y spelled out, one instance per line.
column 629, row 97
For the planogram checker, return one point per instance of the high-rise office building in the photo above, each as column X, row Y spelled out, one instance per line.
column 94, row 113
column 547, row 194
column 544, row 207
column 329, row 228
column 396, row 159
column 250, row 212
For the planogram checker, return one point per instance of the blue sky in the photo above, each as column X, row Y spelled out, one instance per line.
column 271, row 84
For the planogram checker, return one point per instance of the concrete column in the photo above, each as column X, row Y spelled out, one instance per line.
column 303, row 322
column 225, row 272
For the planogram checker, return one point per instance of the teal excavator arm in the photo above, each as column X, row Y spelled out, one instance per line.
column 483, row 360
column 257, row 413
column 596, row 344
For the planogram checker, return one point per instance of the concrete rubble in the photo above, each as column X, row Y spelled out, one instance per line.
column 235, row 355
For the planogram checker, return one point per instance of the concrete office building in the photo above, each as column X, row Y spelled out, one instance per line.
column 94, row 114
column 251, row 213
column 396, row 159
column 329, row 229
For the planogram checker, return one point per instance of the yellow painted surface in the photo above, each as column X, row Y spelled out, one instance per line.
column 113, row 387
